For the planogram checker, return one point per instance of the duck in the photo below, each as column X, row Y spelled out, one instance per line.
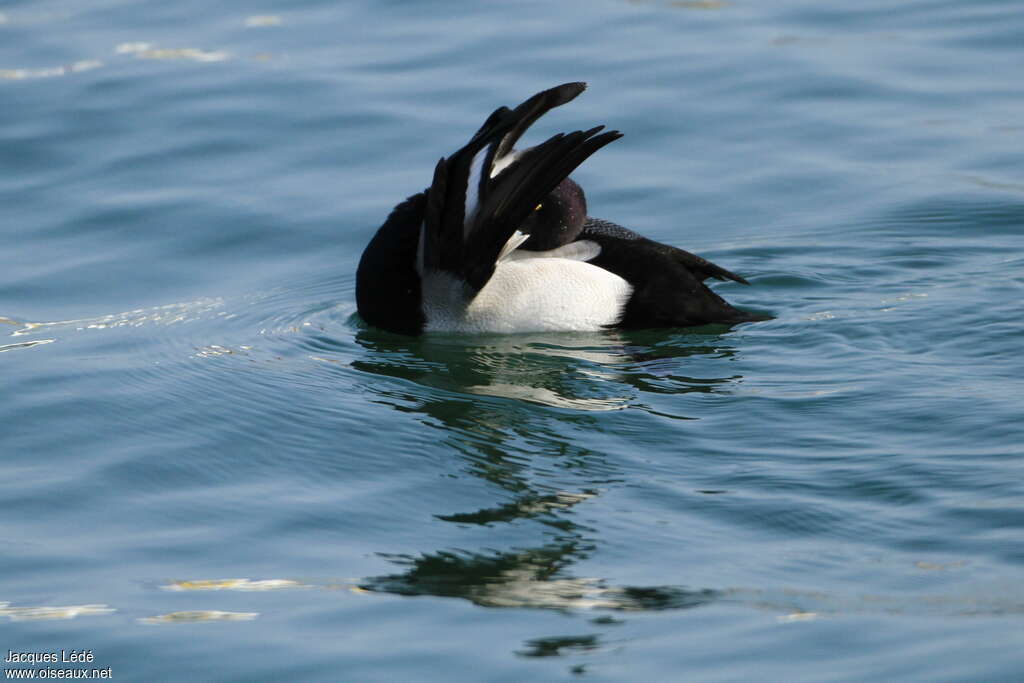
column 501, row 242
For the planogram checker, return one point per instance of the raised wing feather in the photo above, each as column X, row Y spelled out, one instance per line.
column 470, row 216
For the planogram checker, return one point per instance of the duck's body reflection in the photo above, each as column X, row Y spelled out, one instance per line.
column 483, row 395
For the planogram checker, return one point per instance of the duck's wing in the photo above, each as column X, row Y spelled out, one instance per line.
column 700, row 267
column 668, row 283
column 471, row 218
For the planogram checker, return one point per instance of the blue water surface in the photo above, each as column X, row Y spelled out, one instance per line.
column 212, row 470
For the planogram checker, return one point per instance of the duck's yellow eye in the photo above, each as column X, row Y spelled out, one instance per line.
column 537, row 208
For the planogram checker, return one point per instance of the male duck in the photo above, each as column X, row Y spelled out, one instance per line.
column 501, row 242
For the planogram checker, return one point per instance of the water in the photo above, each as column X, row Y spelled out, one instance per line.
column 188, row 399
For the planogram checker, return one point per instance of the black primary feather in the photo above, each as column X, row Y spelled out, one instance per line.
column 468, row 246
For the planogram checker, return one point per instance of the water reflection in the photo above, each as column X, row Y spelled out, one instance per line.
column 585, row 372
column 561, row 645
column 556, row 370
column 533, row 577
column 519, row 411
column 169, row 314
column 540, row 508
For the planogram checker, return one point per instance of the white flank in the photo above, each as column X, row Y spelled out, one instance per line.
column 529, row 293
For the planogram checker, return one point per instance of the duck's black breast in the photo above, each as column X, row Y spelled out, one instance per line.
column 388, row 291
column 668, row 283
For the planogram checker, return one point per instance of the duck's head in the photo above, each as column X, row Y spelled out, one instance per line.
column 556, row 220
